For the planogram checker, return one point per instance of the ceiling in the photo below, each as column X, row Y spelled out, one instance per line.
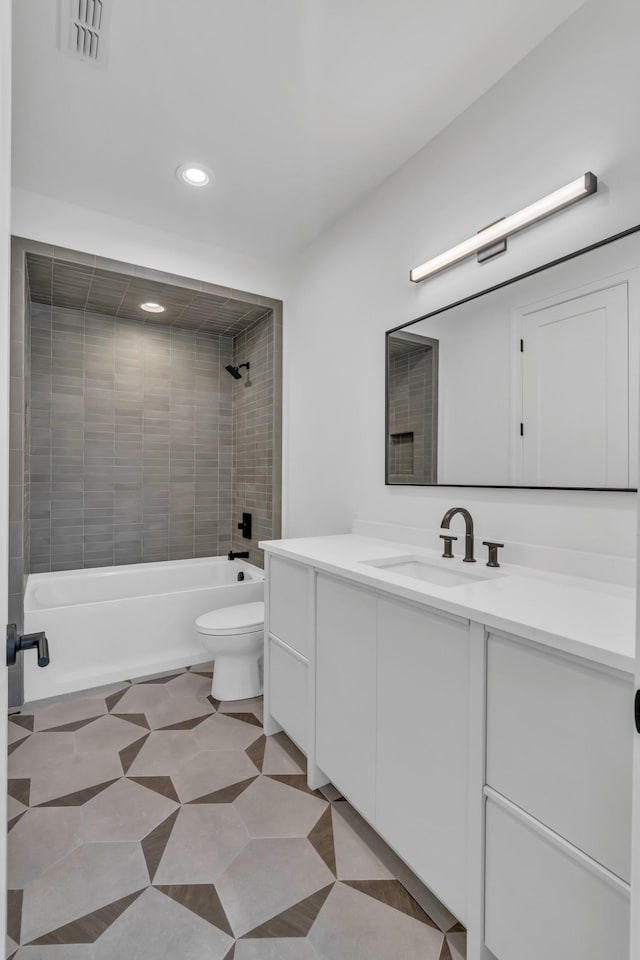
column 299, row 108
column 84, row 287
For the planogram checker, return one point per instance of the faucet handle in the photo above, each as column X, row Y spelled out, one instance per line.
column 493, row 552
column 448, row 540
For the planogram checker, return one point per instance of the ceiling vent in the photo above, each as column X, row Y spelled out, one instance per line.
column 82, row 30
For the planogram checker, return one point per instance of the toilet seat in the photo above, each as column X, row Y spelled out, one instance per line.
column 231, row 621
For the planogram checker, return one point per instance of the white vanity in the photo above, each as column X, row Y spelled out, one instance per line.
column 484, row 729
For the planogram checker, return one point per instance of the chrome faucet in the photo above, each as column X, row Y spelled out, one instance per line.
column 468, row 536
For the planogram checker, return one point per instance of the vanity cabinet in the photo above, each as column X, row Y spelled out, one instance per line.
column 498, row 768
column 558, row 818
column 423, row 737
column 346, row 690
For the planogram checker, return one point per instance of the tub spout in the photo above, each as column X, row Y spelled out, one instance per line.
column 243, row 555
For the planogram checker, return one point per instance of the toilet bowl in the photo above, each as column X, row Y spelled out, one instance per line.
column 234, row 637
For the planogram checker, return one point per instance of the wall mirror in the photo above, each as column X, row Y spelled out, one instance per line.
column 532, row 383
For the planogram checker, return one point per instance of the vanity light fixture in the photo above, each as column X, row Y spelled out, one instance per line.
column 193, row 175
column 570, row 193
column 152, row 307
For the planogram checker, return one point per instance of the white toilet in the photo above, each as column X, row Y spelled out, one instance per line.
column 234, row 637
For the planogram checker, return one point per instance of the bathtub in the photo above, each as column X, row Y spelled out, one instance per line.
column 115, row 623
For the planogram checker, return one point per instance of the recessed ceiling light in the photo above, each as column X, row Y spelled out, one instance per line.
column 193, row 174
column 152, row 307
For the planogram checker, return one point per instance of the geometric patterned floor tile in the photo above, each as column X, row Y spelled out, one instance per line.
column 224, row 733
column 354, row 859
column 272, row 809
column 177, row 710
column 211, row 770
column 90, row 877
column 163, row 752
column 74, row 773
column 125, row 811
column 150, row 821
column 322, row 841
column 68, row 951
column 128, row 754
column 394, row 895
column 40, row 754
column 14, row 913
column 87, row 929
column 372, row 930
column 19, row 727
column 19, row 789
column 205, row 839
column 202, row 899
column 40, row 839
column 154, row 844
column 158, row 928
column 290, row 949
column 108, row 733
column 190, row 685
column 277, row 760
column 69, row 711
column 256, row 752
column 226, row 794
column 295, row 921
column 162, row 785
column 267, row 878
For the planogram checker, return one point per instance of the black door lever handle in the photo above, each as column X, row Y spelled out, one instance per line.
column 15, row 643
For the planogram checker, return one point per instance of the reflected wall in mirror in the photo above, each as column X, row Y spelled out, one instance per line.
column 533, row 383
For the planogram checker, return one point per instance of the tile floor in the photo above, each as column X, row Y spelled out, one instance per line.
column 149, row 821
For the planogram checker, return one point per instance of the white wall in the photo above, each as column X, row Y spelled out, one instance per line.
column 66, row 225
column 571, row 106
column 5, row 181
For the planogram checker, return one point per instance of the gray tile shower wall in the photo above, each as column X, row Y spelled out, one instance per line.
column 131, row 441
column 18, row 443
column 412, row 440
column 256, row 433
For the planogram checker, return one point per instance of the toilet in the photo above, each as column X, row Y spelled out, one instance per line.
column 234, row 637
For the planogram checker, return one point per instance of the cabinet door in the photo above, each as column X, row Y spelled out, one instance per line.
column 346, row 690
column 559, row 745
column 545, row 900
column 421, row 796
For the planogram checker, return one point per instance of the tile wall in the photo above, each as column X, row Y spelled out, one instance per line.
column 131, row 441
column 256, row 432
column 412, row 417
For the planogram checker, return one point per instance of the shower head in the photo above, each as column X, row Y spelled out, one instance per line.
column 235, row 371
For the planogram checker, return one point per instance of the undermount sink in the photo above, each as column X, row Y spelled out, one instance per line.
column 420, row 569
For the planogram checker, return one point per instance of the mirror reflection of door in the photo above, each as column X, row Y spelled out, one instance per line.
column 412, row 371
column 575, row 390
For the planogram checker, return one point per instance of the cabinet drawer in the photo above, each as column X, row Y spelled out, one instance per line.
column 288, row 678
column 289, row 603
column 545, row 899
column 560, row 746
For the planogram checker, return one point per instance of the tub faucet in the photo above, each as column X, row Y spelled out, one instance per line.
column 468, row 535
column 243, row 555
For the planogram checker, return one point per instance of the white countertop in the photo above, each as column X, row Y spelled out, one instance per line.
column 588, row 618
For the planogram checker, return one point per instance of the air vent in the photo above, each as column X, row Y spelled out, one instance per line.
column 82, row 30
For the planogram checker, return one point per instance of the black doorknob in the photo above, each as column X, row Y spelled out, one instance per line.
column 17, row 642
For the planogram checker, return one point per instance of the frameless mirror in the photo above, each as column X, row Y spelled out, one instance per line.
column 533, row 383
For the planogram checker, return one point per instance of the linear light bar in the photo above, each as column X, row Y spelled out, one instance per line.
column 570, row 193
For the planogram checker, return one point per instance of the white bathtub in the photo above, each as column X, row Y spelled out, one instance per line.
column 114, row 623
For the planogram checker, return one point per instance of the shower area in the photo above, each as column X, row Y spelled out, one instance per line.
column 141, row 437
